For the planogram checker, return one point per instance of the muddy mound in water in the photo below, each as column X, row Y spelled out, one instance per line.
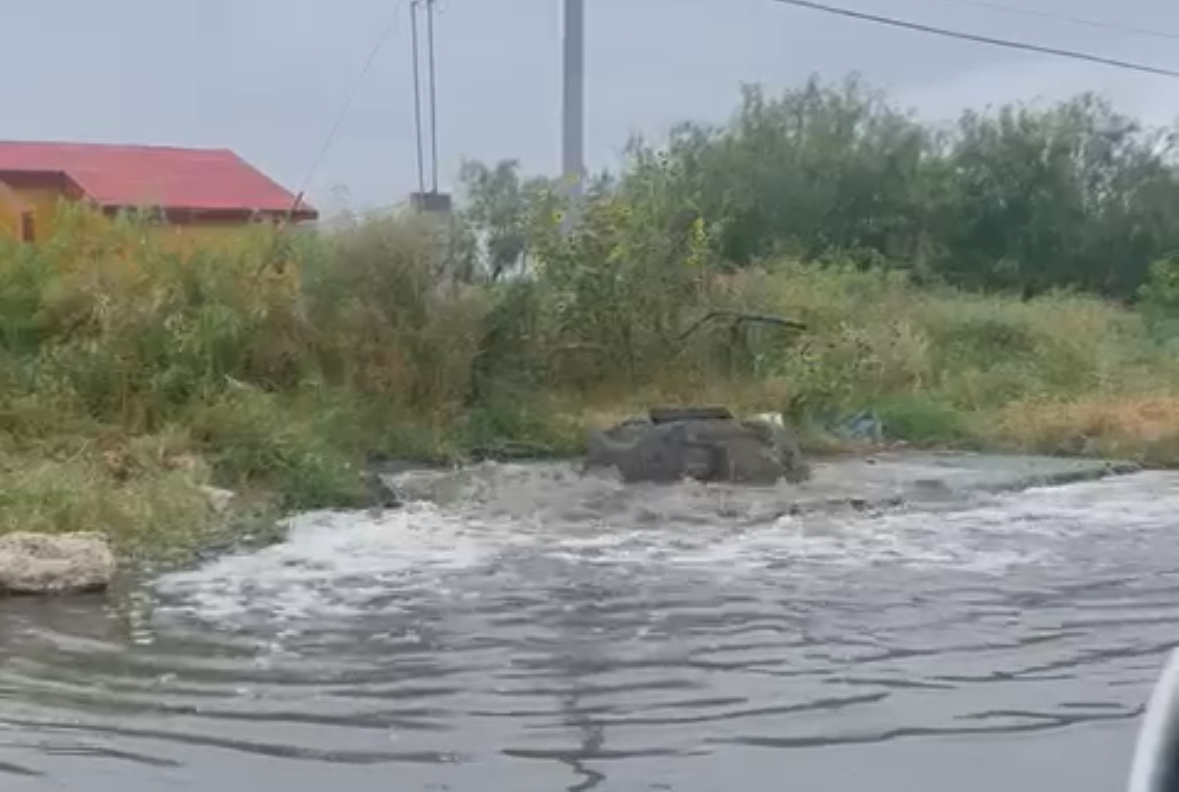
column 564, row 493
column 711, row 446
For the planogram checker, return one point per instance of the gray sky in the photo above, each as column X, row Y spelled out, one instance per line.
column 268, row 77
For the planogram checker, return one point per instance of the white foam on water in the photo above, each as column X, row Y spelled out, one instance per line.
column 329, row 562
column 333, row 564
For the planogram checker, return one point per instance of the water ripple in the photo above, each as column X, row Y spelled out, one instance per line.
column 456, row 636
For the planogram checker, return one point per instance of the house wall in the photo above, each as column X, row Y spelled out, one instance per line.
column 11, row 209
column 40, row 193
column 44, row 202
column 43, row 194
column 203, row 233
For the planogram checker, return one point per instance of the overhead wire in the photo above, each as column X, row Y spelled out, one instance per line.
column 993, row 41
column 1097, row 24
column 811, row 5
column 382, row 37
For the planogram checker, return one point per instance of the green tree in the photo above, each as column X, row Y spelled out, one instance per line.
column 497, row 212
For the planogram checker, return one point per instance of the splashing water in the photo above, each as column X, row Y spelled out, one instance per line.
column 523, row 628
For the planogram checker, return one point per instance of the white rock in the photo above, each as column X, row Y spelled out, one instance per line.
column 35, row 563
column 219, row 499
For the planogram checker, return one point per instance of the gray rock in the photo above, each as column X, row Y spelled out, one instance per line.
column 712, row 450
column 380, row 494
column 34, row 563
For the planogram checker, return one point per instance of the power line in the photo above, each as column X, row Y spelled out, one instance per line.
column 1098, row 24
column 382, row 37
column 980, row 39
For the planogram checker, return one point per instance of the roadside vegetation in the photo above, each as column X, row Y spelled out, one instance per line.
column 1008, row 282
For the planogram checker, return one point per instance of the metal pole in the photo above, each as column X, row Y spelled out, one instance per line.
column 573, row 104
column 433, row 97
column 417, row 94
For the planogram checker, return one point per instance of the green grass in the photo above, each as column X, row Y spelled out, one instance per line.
column 923, row 421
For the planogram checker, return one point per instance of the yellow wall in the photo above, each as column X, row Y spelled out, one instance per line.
column 10, row 213
column 45, row 202
column 42, row 200
column 205, row 233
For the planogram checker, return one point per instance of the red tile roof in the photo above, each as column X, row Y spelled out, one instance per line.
column 172, row 178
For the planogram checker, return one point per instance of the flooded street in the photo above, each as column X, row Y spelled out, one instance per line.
column 538, row 632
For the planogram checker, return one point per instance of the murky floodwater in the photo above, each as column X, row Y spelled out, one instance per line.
column 545, row 634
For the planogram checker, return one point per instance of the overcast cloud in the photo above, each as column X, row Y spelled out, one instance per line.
column 267, row 77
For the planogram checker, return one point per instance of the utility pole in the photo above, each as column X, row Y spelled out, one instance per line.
column 433, row 98
column 415, row 51
column 573, row 105
column 427, row 198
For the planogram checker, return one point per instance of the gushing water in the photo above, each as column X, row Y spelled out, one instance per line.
column 524, row 628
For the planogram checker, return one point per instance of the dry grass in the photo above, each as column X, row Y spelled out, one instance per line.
column 1141, row 428
column 140, row 506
